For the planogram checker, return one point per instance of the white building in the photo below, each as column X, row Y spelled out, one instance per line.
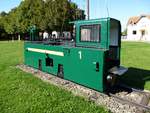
column 138, row 28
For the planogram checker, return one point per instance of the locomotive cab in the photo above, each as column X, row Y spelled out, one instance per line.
column 105, row 35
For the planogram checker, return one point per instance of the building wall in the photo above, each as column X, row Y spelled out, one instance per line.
column 139, row 31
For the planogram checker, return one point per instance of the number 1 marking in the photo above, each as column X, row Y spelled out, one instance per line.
column 80, row 55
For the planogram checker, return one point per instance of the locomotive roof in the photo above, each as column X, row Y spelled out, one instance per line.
column 93, row 20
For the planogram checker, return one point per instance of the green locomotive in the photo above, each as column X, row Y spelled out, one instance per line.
column 92, row 60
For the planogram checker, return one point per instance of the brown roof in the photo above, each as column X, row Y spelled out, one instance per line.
column 135, row 19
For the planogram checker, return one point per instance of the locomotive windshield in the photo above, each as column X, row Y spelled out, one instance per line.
column 90, row 33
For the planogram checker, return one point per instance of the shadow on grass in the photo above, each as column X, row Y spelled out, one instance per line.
column 136, row 77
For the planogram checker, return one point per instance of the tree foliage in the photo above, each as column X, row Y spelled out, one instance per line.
column 3, row 33
column 45, row 14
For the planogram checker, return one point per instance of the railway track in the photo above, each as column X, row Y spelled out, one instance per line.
column 133, row 89
column 143, row 104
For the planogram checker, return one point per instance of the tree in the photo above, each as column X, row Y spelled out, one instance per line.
column 59, row 13
column 3, row 33
column 44, row 14
column 31, row 13
column 10, row 23
column 3, row 13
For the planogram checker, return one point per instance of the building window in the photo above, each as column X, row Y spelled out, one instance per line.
column 90, row 33
column 143, row 32
column 134, row 32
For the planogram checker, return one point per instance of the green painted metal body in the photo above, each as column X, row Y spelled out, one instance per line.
column 84, row 63
column 82, row 71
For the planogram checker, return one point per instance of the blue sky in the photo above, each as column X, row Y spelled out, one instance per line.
column 7, row 5
column 119, row 9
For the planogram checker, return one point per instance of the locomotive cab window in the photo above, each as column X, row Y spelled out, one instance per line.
column 90, row 33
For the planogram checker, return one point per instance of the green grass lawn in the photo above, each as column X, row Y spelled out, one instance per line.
column 21, row 92
column 136, row 56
